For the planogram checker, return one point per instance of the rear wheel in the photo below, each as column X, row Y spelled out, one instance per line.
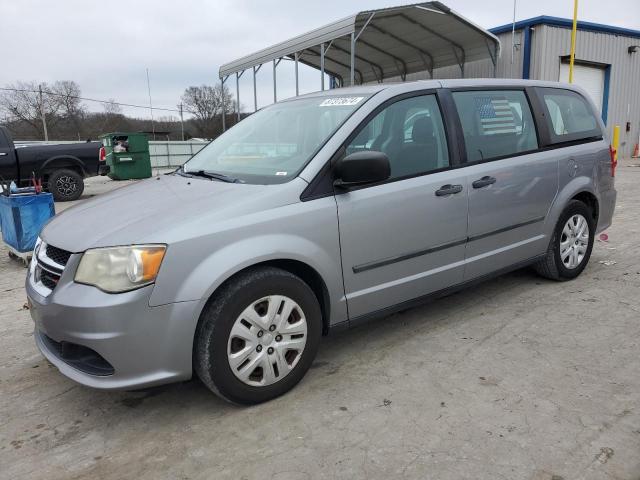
column 570, row 248
column 258, row 336
column 65, row 185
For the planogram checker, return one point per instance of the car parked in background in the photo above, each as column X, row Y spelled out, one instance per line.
column 61, row 167
column 314, row 214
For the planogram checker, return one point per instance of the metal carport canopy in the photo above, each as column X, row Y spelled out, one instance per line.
column 374, row 45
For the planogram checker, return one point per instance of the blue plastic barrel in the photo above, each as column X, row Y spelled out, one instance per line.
column 22, row 218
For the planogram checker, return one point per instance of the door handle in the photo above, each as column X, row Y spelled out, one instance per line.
column 3, row 154
column 448, row 189
column 483, row 182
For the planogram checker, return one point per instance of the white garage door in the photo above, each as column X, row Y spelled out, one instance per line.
column 588, row 77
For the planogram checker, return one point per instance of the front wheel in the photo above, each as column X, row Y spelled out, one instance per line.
column 258, row 336
column 570, row 247
column 65, row 185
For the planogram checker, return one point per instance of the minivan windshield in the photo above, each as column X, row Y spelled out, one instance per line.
column 275, row 143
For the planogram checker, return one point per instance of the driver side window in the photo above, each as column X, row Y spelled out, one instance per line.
column 411, row 133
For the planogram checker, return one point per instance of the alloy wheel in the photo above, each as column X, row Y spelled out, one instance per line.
column 66, row 185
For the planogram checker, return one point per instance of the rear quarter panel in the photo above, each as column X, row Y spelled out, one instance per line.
column 582, row 168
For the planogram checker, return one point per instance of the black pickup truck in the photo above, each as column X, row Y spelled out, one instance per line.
column 62, row 168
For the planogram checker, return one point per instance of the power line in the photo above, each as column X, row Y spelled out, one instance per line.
column 107, row 102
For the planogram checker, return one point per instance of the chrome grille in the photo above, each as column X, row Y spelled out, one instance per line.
column 48, row 279
column 59, row 256
column 47, row 267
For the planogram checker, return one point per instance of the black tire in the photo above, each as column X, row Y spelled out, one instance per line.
column 218, row 317
column 65, row 185
column 551, row 266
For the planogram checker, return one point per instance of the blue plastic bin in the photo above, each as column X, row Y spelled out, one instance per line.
column 22, row 217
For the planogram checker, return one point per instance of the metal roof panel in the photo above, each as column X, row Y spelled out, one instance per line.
column 395, row 41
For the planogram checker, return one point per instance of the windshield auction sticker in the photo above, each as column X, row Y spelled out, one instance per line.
column 340, row 101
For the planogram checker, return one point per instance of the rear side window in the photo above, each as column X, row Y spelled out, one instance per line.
column 496, row 123
column 569, row 116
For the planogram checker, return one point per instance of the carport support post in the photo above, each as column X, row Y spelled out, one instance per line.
column 493, row 53
column 322, row 67
column 222, row 80
column 295, row 58
column 255, row 92
column 352, row 73
column 237, row 96
column 275, row 96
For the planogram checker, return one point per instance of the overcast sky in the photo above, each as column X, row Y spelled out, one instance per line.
column 106, row 46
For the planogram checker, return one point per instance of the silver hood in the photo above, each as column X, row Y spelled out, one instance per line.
column 154, row 210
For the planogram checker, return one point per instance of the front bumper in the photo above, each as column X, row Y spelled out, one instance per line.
column 143, row 345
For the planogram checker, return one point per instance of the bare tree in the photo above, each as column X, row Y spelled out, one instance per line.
column 112, row 116
column 22, row 102
column 68, row 93
column 72, row 111
column 111, row 107
column 205, row 104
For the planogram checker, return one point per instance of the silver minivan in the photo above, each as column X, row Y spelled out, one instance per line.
column 314, row 214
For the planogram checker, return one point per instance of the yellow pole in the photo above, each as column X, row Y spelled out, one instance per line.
column 615, row 143
column 573, row 39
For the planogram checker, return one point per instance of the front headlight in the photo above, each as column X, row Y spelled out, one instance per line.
column 120, row 269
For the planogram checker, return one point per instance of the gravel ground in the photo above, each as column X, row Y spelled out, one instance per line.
column 516, row 378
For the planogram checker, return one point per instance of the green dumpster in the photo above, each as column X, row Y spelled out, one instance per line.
column 127, row 155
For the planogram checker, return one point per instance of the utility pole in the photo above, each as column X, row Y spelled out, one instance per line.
column 153, row 127
column 181, row 122
column 44, row 120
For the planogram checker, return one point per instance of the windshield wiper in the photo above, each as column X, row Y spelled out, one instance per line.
column 180, row 171
column 206, row 174
column 215, row 176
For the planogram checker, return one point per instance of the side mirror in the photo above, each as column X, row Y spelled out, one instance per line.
column 361, row 168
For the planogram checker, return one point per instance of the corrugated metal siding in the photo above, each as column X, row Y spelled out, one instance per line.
column 551, row 43
column 505, row 68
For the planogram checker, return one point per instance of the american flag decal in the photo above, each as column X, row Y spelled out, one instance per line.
column 496, row 115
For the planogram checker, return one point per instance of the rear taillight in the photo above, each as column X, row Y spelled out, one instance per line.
column 614, row 160
column 102, row 156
